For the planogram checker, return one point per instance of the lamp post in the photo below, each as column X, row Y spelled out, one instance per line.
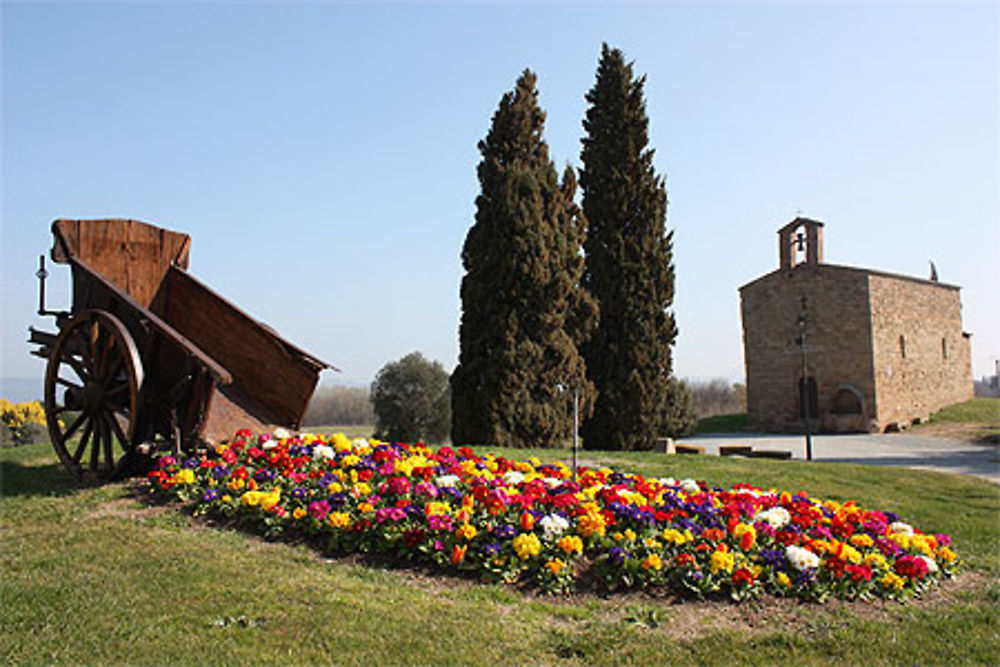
column 576, row 424
column 805, row 377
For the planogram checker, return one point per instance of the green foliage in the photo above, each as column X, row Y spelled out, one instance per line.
column 629, row 264
column 524, row 312
column 412, row 400
column 679, row 418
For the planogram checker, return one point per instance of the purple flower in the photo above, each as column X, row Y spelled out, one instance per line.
column 617, row 556
column 210, row 495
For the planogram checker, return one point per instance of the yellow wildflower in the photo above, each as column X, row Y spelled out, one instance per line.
column 722, row 561
column 652, row 562
column 466, row 531
column 339, row 519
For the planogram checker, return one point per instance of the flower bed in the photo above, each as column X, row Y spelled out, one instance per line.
column 506, row 520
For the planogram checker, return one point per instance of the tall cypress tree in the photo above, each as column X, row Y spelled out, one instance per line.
column 523, row 308
column 629, row 263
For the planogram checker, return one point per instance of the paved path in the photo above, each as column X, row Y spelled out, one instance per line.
column 896, row 449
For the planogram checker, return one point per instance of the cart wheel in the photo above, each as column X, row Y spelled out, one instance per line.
column 91, row 393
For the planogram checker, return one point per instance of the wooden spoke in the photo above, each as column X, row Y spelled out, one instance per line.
column 75, row 425
column 82, row 447
column 68, row 383
column 95, row 446
column 117, row 429
column 109, row 454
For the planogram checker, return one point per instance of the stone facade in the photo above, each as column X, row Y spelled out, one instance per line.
column 881, row 351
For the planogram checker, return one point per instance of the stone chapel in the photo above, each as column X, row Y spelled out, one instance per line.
column 854, row 349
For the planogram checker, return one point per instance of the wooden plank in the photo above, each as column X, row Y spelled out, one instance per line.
column 273, row 379
column 139, row 312
column 133, row 255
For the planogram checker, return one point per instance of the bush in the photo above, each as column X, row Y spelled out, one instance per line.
column 24, row 423
column 412, row 401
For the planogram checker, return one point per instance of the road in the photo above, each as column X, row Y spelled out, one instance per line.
column 895, row 449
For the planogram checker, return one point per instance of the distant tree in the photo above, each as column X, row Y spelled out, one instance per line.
column 523, row 308
column 629, row 264
column 340, row 406
column 411, row 400
column 680, row 417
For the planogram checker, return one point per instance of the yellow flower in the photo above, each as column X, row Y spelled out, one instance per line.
column 721, row 562
column 439, row 509
column 340, row 442
column 902, row 540
column 630, row 535
column 236, row 484
column 270, row 499
column 862, row 541
column 184, row 476
column 298, row 513
column 339, row 519
column 784, row 580
column 675, row 536
column 365, row 507
column 892, row 580
column 251, row 498
column 227, row 498
column 361, row 490
column 334, row 487
column 946, row 555
column 571, row 544
column 527, row 545
column 466, row 531
column 652, row 562
column 876, row 559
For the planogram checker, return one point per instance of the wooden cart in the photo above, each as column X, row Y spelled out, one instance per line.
column 150, row 355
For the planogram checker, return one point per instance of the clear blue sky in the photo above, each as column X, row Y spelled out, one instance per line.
column 323, row 156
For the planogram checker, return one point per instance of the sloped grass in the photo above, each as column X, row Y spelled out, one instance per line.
column 91, row 575
column 735, row 423
column 978, row 419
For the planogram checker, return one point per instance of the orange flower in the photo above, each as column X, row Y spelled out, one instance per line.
column 458, row 554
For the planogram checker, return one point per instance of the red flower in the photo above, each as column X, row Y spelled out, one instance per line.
column 743, row 576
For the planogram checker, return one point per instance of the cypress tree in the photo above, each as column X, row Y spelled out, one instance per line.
column 523, row 308
column 629, row 263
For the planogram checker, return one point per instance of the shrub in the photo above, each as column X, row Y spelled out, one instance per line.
column 412, row 400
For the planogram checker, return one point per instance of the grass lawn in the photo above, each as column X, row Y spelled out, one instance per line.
column 92, row 575
column 978, row 419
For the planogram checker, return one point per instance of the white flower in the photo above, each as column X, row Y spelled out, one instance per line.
column 553, row 482
column 359, row 443
column 447, row 480
column 900, row 528
column 281, row 434
column 270, row 444
column 801, row 559
column 513, row 477
column 776, row 517
column 667, row 481
column 321, row 452
column 690, row 486
column 553, row 525
column 932, row 565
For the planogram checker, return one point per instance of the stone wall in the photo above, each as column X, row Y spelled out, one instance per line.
column 839, row 347
column 921, row 357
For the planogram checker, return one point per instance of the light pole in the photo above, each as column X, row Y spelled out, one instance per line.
column 576, row 424
column 805, row 377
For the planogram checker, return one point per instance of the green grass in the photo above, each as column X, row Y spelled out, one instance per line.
column 735, row 423
column 978, row 410
column 91, row 575
column 976, row 420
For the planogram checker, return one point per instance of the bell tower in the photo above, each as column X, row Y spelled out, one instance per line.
column 800, row 242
